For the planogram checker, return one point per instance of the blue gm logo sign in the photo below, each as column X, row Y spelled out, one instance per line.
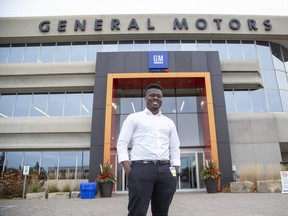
column 158, row 60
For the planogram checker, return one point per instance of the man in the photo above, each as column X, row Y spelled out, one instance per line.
column 155, row 156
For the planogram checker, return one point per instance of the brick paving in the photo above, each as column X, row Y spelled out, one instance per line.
column 184, row 204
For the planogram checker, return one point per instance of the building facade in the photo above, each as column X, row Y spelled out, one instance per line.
column 68, row 83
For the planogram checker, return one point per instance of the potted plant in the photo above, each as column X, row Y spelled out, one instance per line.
column 106, row 179
column 211, row 174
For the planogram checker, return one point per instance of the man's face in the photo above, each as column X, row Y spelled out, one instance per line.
column 153, row 100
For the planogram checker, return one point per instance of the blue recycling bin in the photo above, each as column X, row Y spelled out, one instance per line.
column 88, row 190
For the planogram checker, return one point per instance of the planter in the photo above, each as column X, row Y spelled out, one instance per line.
column 105, row 189
column 211, row 185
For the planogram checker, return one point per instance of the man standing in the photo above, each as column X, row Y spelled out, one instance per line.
column 155, row 156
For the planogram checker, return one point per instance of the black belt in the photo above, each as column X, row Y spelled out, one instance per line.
column 157, row 162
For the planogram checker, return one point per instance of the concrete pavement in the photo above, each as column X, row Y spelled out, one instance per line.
column 184, row 204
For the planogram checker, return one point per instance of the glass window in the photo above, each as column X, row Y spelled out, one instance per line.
column 234, row 50
column 14, row 161
column 285, row 56
column 67, row 165
column 277, row 56
column 274, row 102
column 141, row 45
column 39, row 104
column 93, row 48
column 188, row 45
column 22, row 105
column 156, row 45
column 128, row 105
column 284, row 98
column 7, row 102
column 188, row 104
column 173, row 45
column 62, row 52
column 249, row 50
column 78, row 50
column 72, row 104
column 282, row 80
column 47, row 52
column 83, row 158
column 125, row 46
column 110, row 46
column 55, row 104
column 203, row 45
column 168, row 105
column 32, row 159
column 264, row 54
column 258, row 100
column 220, row 46
column 16, row 53
column 32, row 53
column 269, row 79
column 4, row 53
column 190, row 129
column 229, row 101
column 49, row 164
column 87, row 104
column 242, row 101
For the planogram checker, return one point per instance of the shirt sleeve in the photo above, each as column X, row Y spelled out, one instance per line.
column 174, row 147
column 125, row 136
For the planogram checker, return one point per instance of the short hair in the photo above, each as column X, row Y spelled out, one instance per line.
column 154, row 86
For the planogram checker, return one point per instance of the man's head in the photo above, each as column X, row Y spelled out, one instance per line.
column 153, row 97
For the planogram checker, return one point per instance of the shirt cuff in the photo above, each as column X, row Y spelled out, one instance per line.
column 123, row 157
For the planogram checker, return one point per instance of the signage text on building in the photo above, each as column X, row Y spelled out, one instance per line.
column 158, row 61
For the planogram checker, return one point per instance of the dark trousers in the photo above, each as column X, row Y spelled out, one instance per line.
column 150, row 182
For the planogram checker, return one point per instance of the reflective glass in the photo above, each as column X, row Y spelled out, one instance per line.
column 4, row 53
column 172, row 45
column 269, row 79
column 168, row 105
column 188, row 104
column 32, row 159
column 285, row 56
column 242, row 101
column 55, row 104
column 78, row 50
column 157, row 45
column 67, row 164
column 16, row 53
column 258, row 100
column 234, row 50
column 93, row 48
column 87, row 104
column 249, row 50
column 49, row 164
column 39, row 105
column 221, row 47
column 203, row 45
column 110, row 46
column 200, row 156
column 63, row 50
column 22, row 105
column 282, row 80
column 83, row 158
column 129, row 105
column 229, row 101
column 2, row 161
column 72, row 104
column 264, row 54
column 7, row 102
column 125, row 46
column 188, row 177
column 284, row 98
column 32, row 52
column 47, row 52
column 141, row 45
column 188, row 45
column 190, row 129
column 274, row 102
column 277, row 56
column 14, row 161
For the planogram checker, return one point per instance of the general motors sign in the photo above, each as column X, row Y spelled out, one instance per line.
column 158, row 60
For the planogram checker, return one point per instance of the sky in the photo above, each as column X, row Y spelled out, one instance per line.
column 24, row 8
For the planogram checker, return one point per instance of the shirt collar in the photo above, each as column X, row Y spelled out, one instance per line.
column 148, row 112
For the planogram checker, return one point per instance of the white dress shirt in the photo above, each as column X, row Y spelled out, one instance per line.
column 153, row 137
